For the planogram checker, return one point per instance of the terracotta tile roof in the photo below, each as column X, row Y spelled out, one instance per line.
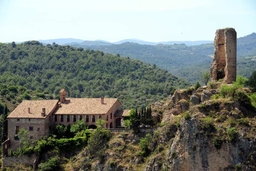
column 86, row 106
column 35, row 108
column 126, row 112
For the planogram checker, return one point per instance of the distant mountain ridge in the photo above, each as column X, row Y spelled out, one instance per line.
column 184, row 61
column 80, row 42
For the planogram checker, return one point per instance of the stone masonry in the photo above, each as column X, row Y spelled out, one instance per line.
column 224, row 61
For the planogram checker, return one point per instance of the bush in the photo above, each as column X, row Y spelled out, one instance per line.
column 253, row 99
column 252, row 81
column 243, row 121
column 232, row 133
column 212, row 85
column 51, row 164
column 217, row 142
column 197, row 85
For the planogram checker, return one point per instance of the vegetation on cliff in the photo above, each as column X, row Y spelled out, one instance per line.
column 216, row 131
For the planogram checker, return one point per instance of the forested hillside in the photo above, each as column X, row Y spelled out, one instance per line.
column 30, row 66
column 188, row 62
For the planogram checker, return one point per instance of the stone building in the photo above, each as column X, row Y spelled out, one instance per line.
column 224, row 61
column 38, row 116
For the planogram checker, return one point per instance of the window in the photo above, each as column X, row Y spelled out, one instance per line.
column 28, row 119
column 38, row 129
column 31, row 128
column 99, row 116
column 110, row 115
column 61, row 118
column 93, row 118
column 31, row 137
column 107, row 118
column 17, row 129
column 18, row 119
column 68, row 119
column 74, row 118
column 81, row 117
column 87, row 118
column 55, row 118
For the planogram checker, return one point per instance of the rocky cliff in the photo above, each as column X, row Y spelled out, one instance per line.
column 200, row 130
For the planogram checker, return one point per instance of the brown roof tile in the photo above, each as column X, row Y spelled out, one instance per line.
column 35, row 108
column 86, row 106
column 126, row 112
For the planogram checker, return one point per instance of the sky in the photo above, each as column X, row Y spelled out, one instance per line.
column 115, row 20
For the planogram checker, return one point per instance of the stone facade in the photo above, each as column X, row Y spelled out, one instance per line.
column 224, row 62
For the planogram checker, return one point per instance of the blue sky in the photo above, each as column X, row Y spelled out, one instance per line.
column 114, row 20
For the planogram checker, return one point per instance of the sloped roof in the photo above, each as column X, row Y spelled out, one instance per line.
column 126, row 112
column 86, row 106
column 35, row 108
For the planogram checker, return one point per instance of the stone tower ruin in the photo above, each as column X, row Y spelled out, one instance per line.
column 224, row 61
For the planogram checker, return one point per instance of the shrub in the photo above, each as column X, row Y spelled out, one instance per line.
column 253, row 99
column 217, row 142
column 207, row 122
column 197, row 85
column 145, row 144
column 187, row 116
column 52, row 163
column 221, row 118
column 232, row 133
column 232, row 122
column 243, row 121
column 212, row 85
column 252, row 81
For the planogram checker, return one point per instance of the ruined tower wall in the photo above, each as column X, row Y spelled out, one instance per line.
column 230, row 47
column 224, row 62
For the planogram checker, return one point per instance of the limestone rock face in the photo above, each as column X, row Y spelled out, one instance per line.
column 206, row 95
column 195, row 99
column 224, row 61
column 190, row 151
column 178, row 95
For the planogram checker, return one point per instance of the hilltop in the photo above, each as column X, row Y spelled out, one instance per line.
column 31, row 66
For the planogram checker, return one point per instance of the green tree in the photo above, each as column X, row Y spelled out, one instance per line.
column 205, row 77
column 23, row 138
column 252, row 81
column 97, row 143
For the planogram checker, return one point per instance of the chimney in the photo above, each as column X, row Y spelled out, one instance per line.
column 102, row 100
column 43, row 112
column 29, row 110
column 62, row 95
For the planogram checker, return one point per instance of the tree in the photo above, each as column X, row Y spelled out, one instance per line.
column 23, row 138
column 97, row 143
column 252, row 81
column 205, row 77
